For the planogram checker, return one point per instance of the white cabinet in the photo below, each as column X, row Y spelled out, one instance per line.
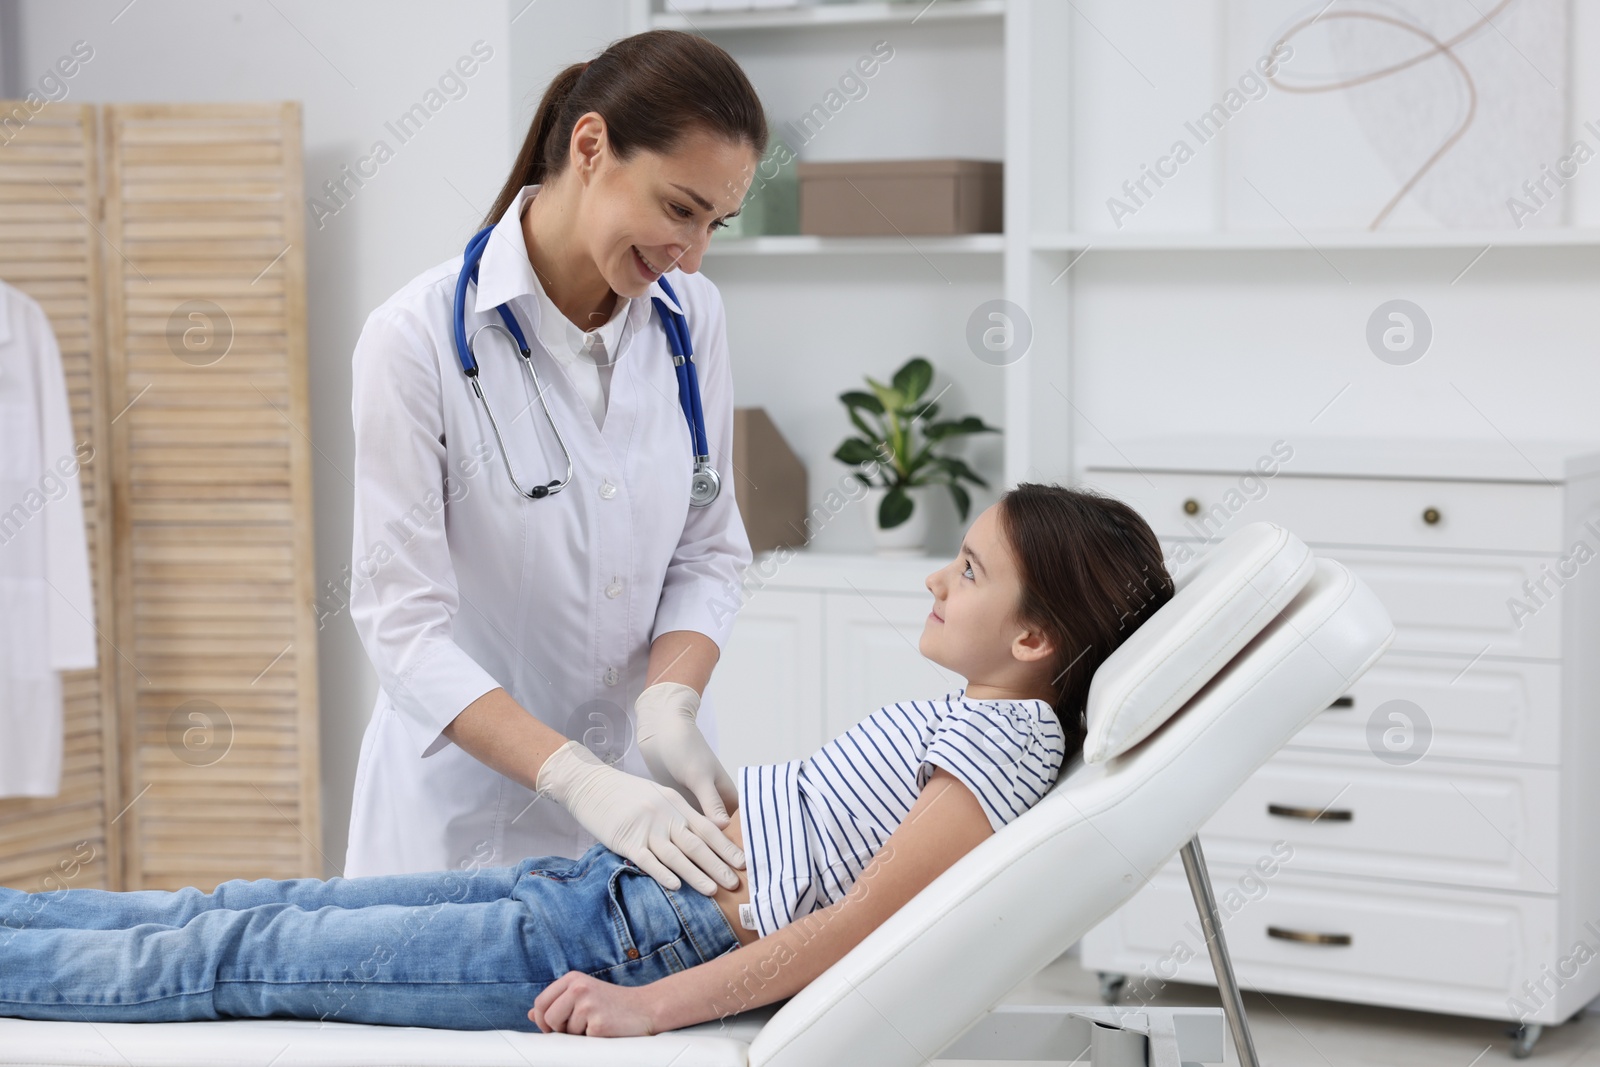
column 767, row 686
column 822, row 641
column 872, row 656
column 1425, row 842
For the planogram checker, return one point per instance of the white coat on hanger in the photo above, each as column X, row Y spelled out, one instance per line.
column 45, row 592
column 460, row 584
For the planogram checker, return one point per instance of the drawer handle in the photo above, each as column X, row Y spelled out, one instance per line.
column 1191, row 506
column 1311, row 814
column 1342, row 702
column 1307, row 938
column 1430, row 516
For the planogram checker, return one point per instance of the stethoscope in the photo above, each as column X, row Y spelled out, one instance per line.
column 706, row 483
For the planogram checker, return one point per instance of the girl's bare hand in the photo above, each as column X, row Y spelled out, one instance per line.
column 577, row 1003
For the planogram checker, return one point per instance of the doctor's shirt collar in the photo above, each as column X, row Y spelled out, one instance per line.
column 505, row 271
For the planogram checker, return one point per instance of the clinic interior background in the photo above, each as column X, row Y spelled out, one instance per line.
column 1173, row 343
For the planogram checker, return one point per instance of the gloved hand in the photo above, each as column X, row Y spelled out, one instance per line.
column 677, row 752
column 642, row 820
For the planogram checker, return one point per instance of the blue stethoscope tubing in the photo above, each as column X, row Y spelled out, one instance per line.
column 705, row 484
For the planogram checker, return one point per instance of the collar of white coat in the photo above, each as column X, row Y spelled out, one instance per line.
column 505, row 270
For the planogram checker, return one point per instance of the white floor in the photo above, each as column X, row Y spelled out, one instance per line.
column 1300, row 1032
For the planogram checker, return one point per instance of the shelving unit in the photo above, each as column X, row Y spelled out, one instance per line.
column 1290, row 240
column 837, row 14
column 810, row 244
column 1034, row 251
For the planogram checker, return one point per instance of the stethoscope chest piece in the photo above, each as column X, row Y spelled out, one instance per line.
column 706, row 485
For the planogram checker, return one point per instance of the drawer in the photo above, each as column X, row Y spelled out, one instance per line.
column 1448, row 823
column 1444, row 602
column 1501, row 710
column 1489, row 516
column 1456, row 951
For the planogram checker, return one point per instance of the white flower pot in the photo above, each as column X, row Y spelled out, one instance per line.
column 907, row 539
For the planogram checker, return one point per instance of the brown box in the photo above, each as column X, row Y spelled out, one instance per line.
column 769, row 483
column 909, row 196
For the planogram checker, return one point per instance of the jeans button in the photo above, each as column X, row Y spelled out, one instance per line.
column 633, row 953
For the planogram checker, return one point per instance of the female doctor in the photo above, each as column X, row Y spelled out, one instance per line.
column 513, row 613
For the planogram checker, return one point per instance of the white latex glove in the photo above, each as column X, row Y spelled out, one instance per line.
column 642, row 820
column 677, row 752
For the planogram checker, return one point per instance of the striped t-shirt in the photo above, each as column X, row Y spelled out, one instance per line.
column 812, row 825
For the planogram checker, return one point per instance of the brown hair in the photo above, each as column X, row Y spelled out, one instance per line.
column 651, row 89
column 1092, row 573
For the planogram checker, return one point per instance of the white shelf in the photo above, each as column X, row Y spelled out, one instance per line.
column 1312, row 240
column 820, row 15
column 811, row 244
column 1534, row 460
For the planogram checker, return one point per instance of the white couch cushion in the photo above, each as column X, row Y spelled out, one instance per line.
column 1222, row 601
column 310, row 1043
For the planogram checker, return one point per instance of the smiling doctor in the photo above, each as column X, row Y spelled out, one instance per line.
column 546, row 541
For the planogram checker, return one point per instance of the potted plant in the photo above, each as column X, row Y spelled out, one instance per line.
column 895, row 452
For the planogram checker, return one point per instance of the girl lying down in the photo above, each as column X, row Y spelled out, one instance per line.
column 1048, row 582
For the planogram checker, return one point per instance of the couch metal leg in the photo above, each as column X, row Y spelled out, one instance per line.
column 1194, row 866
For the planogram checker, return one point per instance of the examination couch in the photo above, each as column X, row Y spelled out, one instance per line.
column 1259, row 638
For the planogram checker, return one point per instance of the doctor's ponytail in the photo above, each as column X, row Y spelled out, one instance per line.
column 652, row 89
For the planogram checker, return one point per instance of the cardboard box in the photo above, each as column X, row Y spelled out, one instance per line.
column 906, row 196
column 769, row 483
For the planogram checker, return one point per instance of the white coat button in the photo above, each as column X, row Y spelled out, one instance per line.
column 608, row 490
column 611, row 676
column 614, row 590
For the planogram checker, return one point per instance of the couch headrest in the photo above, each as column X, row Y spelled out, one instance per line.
column 1220, row 602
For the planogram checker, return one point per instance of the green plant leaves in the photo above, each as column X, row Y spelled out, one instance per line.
column 888, row 420
column 957, row 468
column 887, row 396
column 895, row 508
column 855, row 398
column 913, row 379
column 938, row 431
column 855, row 451
column 963, row 501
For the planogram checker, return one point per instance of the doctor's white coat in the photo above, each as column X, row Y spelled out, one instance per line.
column 460, row 584
column 46, row 601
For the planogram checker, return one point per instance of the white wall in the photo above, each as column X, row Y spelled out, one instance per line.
column 1273, row 342
column 548, row 35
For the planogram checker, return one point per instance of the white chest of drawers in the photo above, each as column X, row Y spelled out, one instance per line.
column 1432, row 840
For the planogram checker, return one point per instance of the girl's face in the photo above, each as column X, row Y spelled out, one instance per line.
column 655, row 212
column 973, row 627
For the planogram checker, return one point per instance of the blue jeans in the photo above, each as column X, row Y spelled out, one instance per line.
column 461, row 950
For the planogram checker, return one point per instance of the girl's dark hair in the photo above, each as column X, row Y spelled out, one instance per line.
column 1092, row 573
column 651, row 88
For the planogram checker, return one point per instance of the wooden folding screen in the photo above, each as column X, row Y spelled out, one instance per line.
column 206, row 423
column 49, row 210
